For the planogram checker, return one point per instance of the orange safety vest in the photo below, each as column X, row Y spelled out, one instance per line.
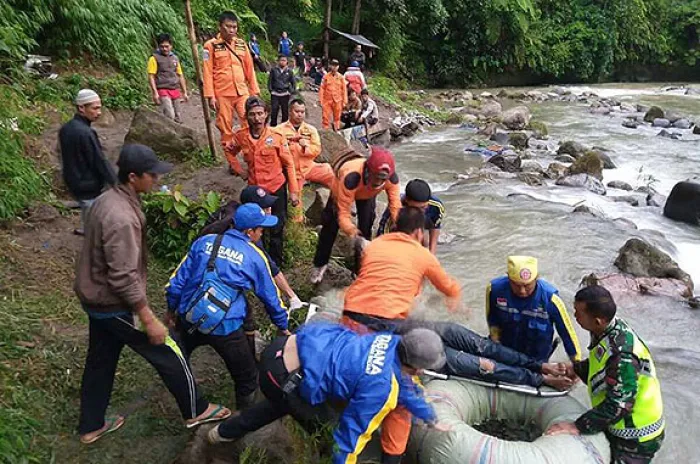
column 228, row 69
column 303, row 157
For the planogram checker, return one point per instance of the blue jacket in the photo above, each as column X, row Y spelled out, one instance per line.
column 254, row 47
column 241, row 264
column 434, row 214
column 363, row 371
column 527, row 324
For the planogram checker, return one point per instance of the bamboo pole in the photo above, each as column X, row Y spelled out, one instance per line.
column 200, row 82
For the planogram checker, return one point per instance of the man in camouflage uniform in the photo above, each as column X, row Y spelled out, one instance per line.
column 622, row 383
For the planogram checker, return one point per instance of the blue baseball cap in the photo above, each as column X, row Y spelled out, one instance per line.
column 354, row 64
column 250, row 216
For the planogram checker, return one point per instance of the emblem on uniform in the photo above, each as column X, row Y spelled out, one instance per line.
column 260, row 192
column 205, row 55
column 525, row 274
column 502, row 301
column 268, row 141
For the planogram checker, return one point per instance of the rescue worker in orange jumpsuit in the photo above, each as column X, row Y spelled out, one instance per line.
column 229, row 76
column 359, row 180
column 393, row 269
column 333, row 95
column 305, row 145
column 270, row 166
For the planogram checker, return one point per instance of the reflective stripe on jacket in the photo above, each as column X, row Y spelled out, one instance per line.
column 364, row 372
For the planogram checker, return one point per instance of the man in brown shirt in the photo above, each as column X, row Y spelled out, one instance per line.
column 111, row 285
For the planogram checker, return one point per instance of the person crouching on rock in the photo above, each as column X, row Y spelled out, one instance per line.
column 622, row 383
column 359, row 180
column 326, row 362
column 522, row 311
column 226, row 266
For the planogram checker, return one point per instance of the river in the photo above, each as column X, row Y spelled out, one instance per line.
column 490, row 226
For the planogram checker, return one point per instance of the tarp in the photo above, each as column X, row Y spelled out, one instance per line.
column 358, row 39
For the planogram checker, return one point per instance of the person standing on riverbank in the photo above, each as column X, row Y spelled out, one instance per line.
column 300, row 59
column 229, row 76
column 254, row 47
column 358, row 56
column 359, row 180
column 622, row 383
column 110, row 282
column 305, row 146
column 354, row 77
column 270, row 165
column 166, row 79
column 333, row 95
column 282, row 85
column 85, row 169
column 522, row 311
column 419, row 195
column 241, row 266
column 284, row 47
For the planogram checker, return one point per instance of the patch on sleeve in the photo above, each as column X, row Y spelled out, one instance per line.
column 205, row 55
column 352, row 180
column 394, row 179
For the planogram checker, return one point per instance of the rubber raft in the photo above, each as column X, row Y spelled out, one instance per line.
column 460, row 404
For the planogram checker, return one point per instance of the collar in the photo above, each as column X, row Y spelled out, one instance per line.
column 221, row 39
column 132, row 197
column 82, row 119
column 595, row 340
column 263, row 135
column 237, row 234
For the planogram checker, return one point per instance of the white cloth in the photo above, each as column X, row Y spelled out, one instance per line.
column 86, row 96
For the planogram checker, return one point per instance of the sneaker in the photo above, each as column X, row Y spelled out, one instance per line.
column 213, row 437
column 317, row 274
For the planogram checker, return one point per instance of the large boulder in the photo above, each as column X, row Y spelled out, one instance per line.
column 683, row 203
column 506, row 163
column 583, row 180
column 631, row 123
column 608, row 163
column 106, row 119
column 571, row 148
column 590, row 163
column 331, row 143
column 682, row 123
column 529, row 165
column 518, row 140
column 491, row 109
column 653, row 113
column 517, row 118
column 556, row 170
column 641, row 259
column 620, row 284
column 315, row 210
column 620, row 185
column 166, row 137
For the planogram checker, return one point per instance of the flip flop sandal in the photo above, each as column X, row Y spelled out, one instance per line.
column 113, row 424
column 211, row 417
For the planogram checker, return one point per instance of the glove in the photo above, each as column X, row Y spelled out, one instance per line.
column 295, row 303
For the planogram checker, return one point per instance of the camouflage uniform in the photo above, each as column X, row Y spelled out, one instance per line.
column 622, row 372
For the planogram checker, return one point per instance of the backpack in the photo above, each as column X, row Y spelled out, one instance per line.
column 213, row 299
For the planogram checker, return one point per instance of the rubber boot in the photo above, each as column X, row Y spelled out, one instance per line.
column 245, row 402
column 391, row 458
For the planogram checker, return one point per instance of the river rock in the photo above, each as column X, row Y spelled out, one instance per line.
column 517, row 118
column 485, row 95
column 454, row 119
column 600, row 110
column 628, row 108
column 694, row 302
column 692, row 91
column 683, row 203
column 531, row 178
column 556, row 170
column 673, row 116
column 561, row 91
column 430, row 106
column 336, row 276
column 489, row 129
column 653, row 113
column 631, row 199
column 682, row 123
column 506, row 163
column 669, row 135
column 565, row 158
column 620, row 185
column 624, row 283
column 584, row 209
column 656, row 199
column 696, row 130
column 641, row 259
column 166, row 137
column 625, row 223
column 583, row 180
column 631, row 123
column 518, row 140
column 539, row 129
column 608, row 163
column 314, row 211
column 590, row 163
column 572, row 148
column 661, row 122
column 331, row 143
column 491, row 109
column 536, row 95
column 529, row 165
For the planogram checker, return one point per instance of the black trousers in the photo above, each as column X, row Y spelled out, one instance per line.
column 107, row 338
column 273, row 376
column 329, row 231
column 277, row 104
column 234, row 350
column 274, row 237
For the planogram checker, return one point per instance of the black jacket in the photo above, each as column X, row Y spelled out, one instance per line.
column 281, row 81
column 85, row 169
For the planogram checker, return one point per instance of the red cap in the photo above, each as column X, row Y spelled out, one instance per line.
column 381, row 163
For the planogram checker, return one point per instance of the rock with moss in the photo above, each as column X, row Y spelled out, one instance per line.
column 517, row 118
column 491, row 109
column 454, row 118
column 331, row 143
column 590, row 163
column 556, row 170
column 571, row 148
column 518, row 140
column 539, row 129
column 533, row 179
column 653, row 113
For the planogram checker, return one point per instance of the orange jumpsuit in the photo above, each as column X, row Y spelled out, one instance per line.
column 345, row 191
column 394, row 266
column 307, row 169
column 333, row 95
column 228, row 75
column 268, row 159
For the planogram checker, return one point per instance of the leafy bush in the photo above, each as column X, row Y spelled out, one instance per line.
column 174, row 221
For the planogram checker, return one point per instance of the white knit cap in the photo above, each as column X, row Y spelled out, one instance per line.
column 86, row 96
